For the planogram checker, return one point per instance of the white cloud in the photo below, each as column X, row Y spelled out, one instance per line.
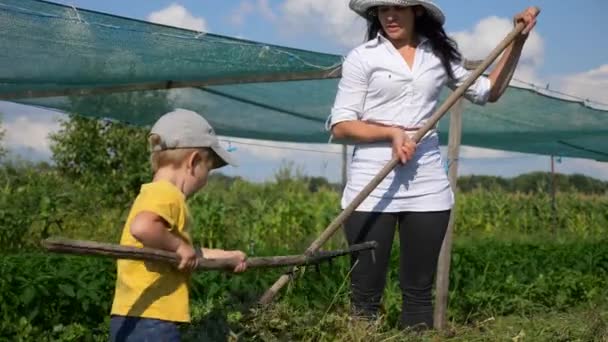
column 478, row 42
column 178, row 16
column 591, row 84
column 248, row 7
column 488, row 33
column 260, row 159
column 486, row 153
column 238, row 15
column 27, row 129
column 584, row 166
column 265, row 9
column 24, row 133
column 332, row 18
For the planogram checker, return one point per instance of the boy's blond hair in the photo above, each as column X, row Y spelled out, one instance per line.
column 175, row 157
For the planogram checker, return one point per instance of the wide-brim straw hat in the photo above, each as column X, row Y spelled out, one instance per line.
column 362, row 7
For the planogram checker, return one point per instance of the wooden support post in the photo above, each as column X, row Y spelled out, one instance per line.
column 344, row 164
column 443, row 265
column 553, row 192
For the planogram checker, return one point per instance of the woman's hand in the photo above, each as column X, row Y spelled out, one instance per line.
column 528, row 17
column 404, row 147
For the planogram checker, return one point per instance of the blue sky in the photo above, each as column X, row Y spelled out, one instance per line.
column 567, row 50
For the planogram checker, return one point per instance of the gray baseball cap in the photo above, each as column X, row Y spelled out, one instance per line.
column 182, row 128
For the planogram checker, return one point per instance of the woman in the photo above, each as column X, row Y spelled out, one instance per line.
column 390, row 86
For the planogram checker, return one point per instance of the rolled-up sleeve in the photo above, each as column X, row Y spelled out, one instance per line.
column 478, row 92
column 352, row 89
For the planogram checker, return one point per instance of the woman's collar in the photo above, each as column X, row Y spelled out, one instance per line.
column 382, row 39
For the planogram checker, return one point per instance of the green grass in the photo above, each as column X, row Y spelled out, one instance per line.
column 67, row 298
column 281, row 322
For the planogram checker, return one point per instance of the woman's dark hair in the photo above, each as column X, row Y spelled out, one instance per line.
column 443, row 46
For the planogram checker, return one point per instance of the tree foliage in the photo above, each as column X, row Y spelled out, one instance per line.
column 534, row 182
column 113, row 156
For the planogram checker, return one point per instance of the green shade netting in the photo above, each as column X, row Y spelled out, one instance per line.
column 50, row 52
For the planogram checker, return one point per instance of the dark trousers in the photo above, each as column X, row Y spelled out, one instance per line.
column 421, row 235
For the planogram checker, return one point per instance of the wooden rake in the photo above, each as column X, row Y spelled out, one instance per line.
column 80, row 247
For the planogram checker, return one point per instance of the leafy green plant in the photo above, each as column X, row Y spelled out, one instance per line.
column 507, row 258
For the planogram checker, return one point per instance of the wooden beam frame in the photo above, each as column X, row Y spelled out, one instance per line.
column 169, row 84
column 164, row 85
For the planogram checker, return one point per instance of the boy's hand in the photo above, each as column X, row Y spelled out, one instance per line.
column 242, row 261
column 188, row 258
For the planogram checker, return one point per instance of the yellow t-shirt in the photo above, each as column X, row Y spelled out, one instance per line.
column 154, row 289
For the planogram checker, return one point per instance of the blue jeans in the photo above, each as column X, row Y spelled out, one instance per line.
column 138, row 329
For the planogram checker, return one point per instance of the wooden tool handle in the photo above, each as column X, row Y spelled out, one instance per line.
column 79, row 247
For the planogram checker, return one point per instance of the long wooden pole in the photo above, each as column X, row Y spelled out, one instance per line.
column 553, row 191
column 443, row 265
column 344, row 164
column 269, row 295
column 170, row 84
column 79, row 247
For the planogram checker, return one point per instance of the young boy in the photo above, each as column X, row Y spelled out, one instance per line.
column 152, row 298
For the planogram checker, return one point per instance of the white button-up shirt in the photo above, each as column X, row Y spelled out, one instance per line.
column 378, row 85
